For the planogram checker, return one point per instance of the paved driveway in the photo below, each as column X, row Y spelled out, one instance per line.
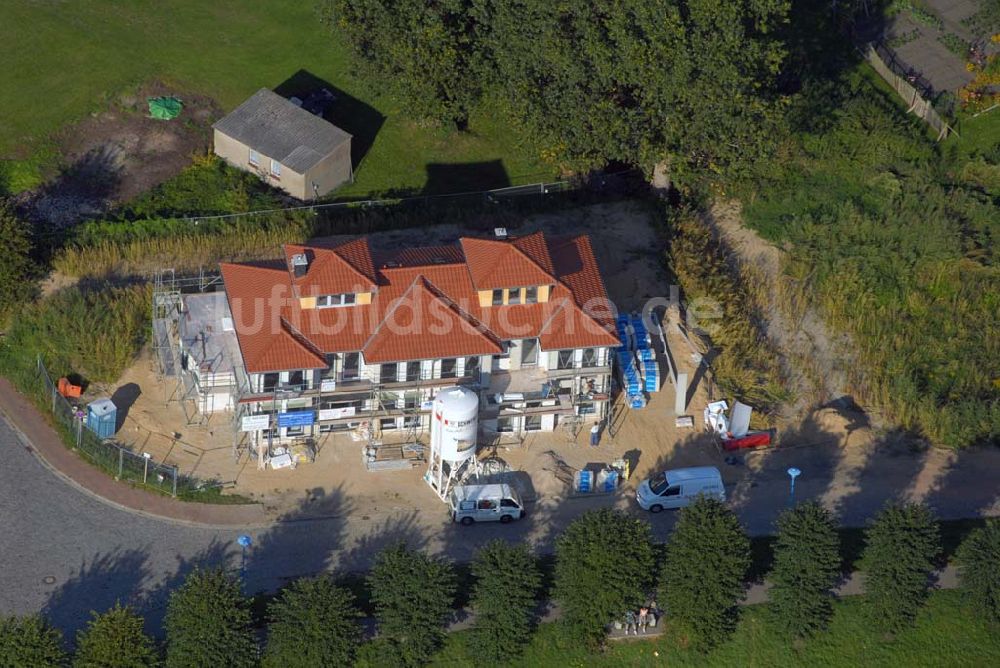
column 66, row 552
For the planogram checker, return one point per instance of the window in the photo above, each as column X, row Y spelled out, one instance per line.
column 270, row 381
column 590, row 357
column 508, row 503
column 411, row 422
column 497, row 297
column 352, row 364
column 411, row 400
column 531, row 295
column 448, row 367
column 529, row 352
column 294, row 431
column 254, row 158
column 387, row 424
column 486, row 504
column 514, row 296
column 658, row 483
column 673, row 490
column 533, row 423
column 388, row 372
column 295, row 379
column 275, row 168
column 412, row 371
column 586, row 408
column 471, row 367
column 326, row 301
column 565, row 359
column 505, row 424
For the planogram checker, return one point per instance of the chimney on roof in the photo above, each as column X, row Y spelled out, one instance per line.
column 300, row 264
column 500, row 232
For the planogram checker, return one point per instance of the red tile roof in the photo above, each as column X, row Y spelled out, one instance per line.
column 495, row 263
column 408, row 330
column 341, row 268
column 424, row 305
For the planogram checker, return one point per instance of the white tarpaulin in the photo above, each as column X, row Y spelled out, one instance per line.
column 739, row 420
column 715, row 417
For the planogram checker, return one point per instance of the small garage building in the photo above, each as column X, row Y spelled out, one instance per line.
column 290, row 148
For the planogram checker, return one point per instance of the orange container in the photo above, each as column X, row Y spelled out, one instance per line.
column 69, row 390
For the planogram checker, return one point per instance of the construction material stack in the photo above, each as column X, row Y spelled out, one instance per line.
column 640, row 371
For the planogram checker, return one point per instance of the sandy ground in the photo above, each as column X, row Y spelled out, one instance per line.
column 851, row 465
column 627, row 250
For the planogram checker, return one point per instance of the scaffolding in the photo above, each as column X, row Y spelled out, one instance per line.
column 166, row 313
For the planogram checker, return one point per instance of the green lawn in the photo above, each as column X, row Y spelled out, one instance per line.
column 946, row 634
column 64, row 60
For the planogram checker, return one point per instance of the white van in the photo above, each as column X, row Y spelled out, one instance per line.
column 485, row 503
column 678, row 487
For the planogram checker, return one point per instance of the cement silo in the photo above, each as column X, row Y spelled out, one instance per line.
column 454, row 431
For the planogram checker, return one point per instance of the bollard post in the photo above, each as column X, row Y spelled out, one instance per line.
column 174, row 490
column 121, row 456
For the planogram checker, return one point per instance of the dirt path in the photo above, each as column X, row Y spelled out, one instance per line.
column 816, row 359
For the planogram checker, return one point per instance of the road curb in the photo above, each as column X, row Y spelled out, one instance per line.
column 38, row 453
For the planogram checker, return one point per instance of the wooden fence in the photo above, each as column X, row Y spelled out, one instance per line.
column 902, row 81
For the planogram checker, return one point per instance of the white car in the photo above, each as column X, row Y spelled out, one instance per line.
column 485, row 503
column 676, row 488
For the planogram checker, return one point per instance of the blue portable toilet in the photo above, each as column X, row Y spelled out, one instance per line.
column 102, row 416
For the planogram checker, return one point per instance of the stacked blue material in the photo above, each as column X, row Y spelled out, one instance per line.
column 633, row 383
column 643, row 376
column 641, row 335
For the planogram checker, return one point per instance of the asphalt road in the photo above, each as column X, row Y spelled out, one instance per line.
column 65, row 552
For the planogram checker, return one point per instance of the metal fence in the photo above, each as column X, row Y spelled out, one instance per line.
column 104, row 453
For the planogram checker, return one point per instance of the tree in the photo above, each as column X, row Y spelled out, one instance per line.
column 16, row 266
column 504, row 599
column 208, row 623
column 703, row 579
column 413, row 594
column 902, row 544
column 114, row 639
column 630, row 81
column 604, row 567
column 419, row 49
column 638, row 81
column 806, row 567
column 29, row 642
column 979, row 574
column 312, row 623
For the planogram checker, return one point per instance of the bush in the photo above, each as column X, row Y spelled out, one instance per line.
column 29, row 642
column 413, row 594
column 604, row 567
column 902, row 544
column 208, row 623
column 504, row 599
column 979, row 574
column 703, row 579
column 16, row 267
column 114, row 639
column 312, row 623
column 806, row 567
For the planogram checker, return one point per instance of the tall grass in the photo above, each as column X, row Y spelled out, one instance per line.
column 95, row 334
column 185, row 252
column 896, row 245
column 747, row 367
